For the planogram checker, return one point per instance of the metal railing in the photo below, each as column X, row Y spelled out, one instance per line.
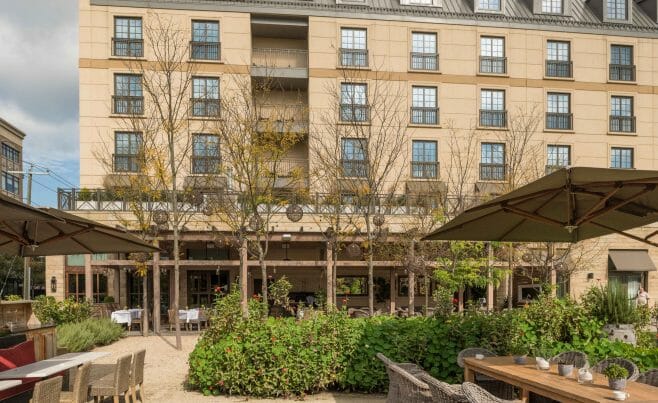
column 622, row 72
column 489, row 118
column 424, row 61
column 424, row 116
column 353, row 57
column 559, row 121
column 622, row 124
column 278, row 58
column 559, row 68
column 354, row 113
column 284, row 112
column 354, row 168
column 125, row 163
column 126, row 105
column 288, row 167
column 493, row 65
column 424, row 170
column 493, row 172
column 205, row 107
column 205, row 50
column 122, row 47
column 205, row 164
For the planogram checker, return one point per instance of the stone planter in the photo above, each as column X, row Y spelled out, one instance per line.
column 520, row 359
column 617, row 384
column 624, row 333
column 565, row 369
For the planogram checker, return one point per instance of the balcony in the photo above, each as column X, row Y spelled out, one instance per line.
column 491, row 118
column 424, row 170
column 125, row 163
column 493, row 172
column 124, row 105
column 204, row 165
column 622, row 124
column 622, row 72
column 353, row 57
column 424, row 115
column 559, row 68
column 559, row 121
column 353, row 168
column 127, row 47
column 354, row 113
column 277, row 62
column 205, row 107
column 424, row 61
column 205, row 50
column 283, row 118
column 493, row 65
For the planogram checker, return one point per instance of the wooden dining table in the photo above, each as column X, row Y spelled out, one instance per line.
column 548, row 383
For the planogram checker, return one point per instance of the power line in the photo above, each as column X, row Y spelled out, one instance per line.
column 52, row 173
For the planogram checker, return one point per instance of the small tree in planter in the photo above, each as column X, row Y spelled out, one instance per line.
column 278, row 294
column 610, row 304
column 616, row 375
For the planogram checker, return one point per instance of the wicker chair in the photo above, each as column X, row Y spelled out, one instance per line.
column 172, row 319
column 80, row 391
column 47, row 391
column 443, row 392
column 650, row 377
column 137, row 376
column 633, row 370
column 496, row 387
column 139, row 322
column 476, row 394
column 393, row 390
column 577, row 358
column 115, row 384
column 409, row 388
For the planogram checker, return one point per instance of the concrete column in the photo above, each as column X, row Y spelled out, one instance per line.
column 330, row 276
column 183, row 288
column 56, row 267
column 156, row 292
column 89, row 280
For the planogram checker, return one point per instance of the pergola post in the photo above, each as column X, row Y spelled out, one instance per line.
column 156, row 292
column 89, row 280
column 393, row 292
column 244, row 279
column 490, row 287
column 330, row 276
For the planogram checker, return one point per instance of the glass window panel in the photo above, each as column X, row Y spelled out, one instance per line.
column 205, row 88
column 128, row 28
column 489, row 5
column 352, row 38
column 492, row 47
column 558, row 103
column 423, row 97
column 621, row 106
column 424, row 151
column 493, row 153
column 558, row 51
column 559, row 155
column 621, row 157
column 551, row 6
column 353, row 94
column 492, row 100
column 616, row 9
column 621, row 55
column 423, row 43
column 205, row 31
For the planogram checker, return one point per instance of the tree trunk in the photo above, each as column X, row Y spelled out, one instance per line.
column 145, row 303
column 460, row 300
column 510, row 302
column 427, row 293
column 330, row 277
column 179, row 342
column 244, row 282
column 411, row 280
column 263, row 288
column 156, row 292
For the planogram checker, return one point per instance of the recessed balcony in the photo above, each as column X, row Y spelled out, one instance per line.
column 279, row 62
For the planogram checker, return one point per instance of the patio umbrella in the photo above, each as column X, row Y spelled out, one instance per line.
column 568, row 205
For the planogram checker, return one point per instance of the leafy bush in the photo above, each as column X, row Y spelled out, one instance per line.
column 49, row 310
column 89, row 333
column 615, row 371
column 12, row 297
column 610, row 303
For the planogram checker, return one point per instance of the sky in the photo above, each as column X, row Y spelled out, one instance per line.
column 39, row 88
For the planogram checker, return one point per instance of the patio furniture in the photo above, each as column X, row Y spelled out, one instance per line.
column 409, row 388
column 80, row 391
column 498, row 388
column 443, row 392
column 193, row 317
column 393, row 387
column 115, row 384
column 476, row 394
column 633, row 370
column 203, row 318
column 576, row 358
column 136, row 318
column 47, row 391
column 122, row 317
column 171, row 315
column 650, row 377
column 360, row 313
column 137, row 375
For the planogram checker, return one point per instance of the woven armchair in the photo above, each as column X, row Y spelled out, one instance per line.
column 80, row 390
column 410, row 389
column 47, row 391
column 650, row 377
column 633, row 370
column 576, row 358
column 496, row 387
column 137, row 375
column 116, row 383
column 393, row 389
column 476, row 394
column 443, row 392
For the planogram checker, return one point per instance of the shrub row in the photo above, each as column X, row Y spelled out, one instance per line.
column 49, row 310
column 85, row 335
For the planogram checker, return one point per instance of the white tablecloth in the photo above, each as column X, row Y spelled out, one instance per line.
column 126, row 316
column 188, row 314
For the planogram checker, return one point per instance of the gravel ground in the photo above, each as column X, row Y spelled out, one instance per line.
column 165, row 373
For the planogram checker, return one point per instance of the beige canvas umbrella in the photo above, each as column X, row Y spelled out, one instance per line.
column 569, row 205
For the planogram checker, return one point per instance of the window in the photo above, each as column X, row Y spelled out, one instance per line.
column 492, row 108
column 127, row 41
column 621, row 114
column 616, row 9
column 492, row 55
column 205, row 40
column 353, row 47
column 128, row 97
column 127, row 146
column 205, row 96
column 621, row 157
column 205, row 154
column 558, row 59
column 558, row 156
column 492, row 162
column 403, row 286
column 10, row 153
column 621, row 63
column 424, row 54
column 551, row 6
column 201, row 286
column 75, row 287
column 423, row 106
column 354, row 102
column 489, row 5
column 11, row 183
column 352, row 285
column 424, row 159
column 354, row 158
column 421, row 2
column 558, row 111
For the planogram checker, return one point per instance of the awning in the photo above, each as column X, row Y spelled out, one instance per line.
column 631, row 260
column 426, row 188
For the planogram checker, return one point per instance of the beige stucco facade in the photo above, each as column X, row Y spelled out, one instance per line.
column 11, row 159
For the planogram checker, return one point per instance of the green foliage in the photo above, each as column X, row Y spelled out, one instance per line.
column 12, row 297
column 89, row 333
column 465, row 264
column 615, row 371
column 49, row 310
column 442, row 297
column 279, row 290
column 610, row 303
column 108, row 299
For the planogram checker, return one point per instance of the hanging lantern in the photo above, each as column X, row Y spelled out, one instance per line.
column 294, row 212
column 354, row 250
column 161, row 217
column 255, row 223
column 527, row 257
column 378, row 220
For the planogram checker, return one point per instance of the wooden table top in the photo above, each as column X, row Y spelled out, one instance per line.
column 550, row 384
column 4, row 385
column 51, row 366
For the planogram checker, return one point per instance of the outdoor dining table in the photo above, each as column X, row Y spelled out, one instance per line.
column 51, row 366
column 188, row 314
column 125, row 316
column 4, row 385
column 549, row 384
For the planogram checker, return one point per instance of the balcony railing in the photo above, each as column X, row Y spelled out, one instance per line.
column 122, row 47
column 205, row 107
column 354, row 168
column 489, row 118
column 424, row 61
column 424, row 170
column 276, row 58
column 622, row 72
column 203, row 165
column 205, row 50
column 125, row 163
column 123, row 105
column 284, row 112
column 493, row 65
column 559, row 68
column 622, row 124
column 493, row 172
column 353, row 57
column 424, row 116
column 559, row 121
column 354, row 113
column 552, row 168
column 288, row 167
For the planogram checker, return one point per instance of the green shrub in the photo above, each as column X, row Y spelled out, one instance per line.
column 108, row 299
column 49, row 310
column 615, row 371
column 12, row 297
column 84, row 335
column 610, row 304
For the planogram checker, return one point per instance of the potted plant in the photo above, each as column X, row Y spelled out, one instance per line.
column 610, row 303
column 564, row 368
column 616, row 375
column 519, row 351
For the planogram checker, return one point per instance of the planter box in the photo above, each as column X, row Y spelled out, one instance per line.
column 624, row 333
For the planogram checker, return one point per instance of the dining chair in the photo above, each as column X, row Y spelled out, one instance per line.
column 650, row 377
column 115, row 384
column 80, row 391
column 476, row 394
column 171, row 313
column 137, row 375
column 576, row 358
column 444, row 392
column 393, row 387
column 633, row 370
column 47, row 391
column 139, row 322
column 498, row 388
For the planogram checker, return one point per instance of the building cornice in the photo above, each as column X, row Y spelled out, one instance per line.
column 12, row 129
